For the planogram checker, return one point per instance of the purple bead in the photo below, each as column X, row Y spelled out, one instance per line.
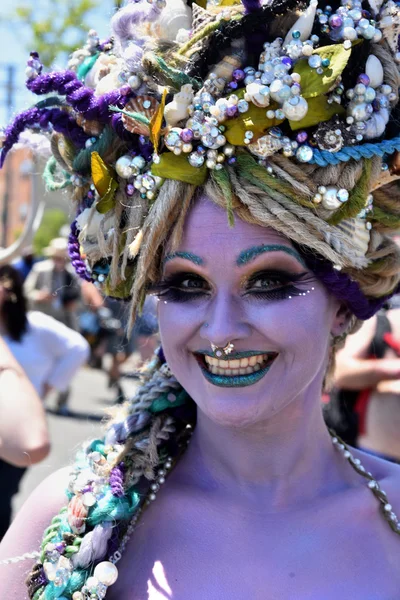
column 60, row 547
column 363, row 78
column 232, row 160
column 335, row 21
column 287, row 61
column 130, row 189
column 238, row 74
column 233, row 85
column 186, row 135
column 301, row 137
column 231, row 110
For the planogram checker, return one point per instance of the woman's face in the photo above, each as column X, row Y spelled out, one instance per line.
column 248, row 286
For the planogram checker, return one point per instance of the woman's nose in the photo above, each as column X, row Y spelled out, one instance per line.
column 224, row 321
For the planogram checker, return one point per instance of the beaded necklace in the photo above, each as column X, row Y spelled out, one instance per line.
column 106, row 573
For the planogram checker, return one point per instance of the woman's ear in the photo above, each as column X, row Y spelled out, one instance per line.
column 341, row 320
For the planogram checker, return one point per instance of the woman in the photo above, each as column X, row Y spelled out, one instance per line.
column 367, row 375
column 24, row 437
column 259, row 503
column 49, row 353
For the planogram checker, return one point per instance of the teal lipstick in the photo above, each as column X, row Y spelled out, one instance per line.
column 235, row 380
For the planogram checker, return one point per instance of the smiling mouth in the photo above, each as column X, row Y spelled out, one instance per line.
column 241, row 369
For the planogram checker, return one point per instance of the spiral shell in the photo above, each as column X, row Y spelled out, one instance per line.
column 144, row 105
column 390, row 19
column 200, row 18
column 77, row 515
column 177, row 109
column 357, row 231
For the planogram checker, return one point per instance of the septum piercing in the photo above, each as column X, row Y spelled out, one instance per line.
column 219, row 351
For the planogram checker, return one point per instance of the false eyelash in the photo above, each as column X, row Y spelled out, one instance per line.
column 169, row 288
column 281, row 293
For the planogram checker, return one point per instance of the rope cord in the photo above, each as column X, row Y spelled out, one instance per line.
column 322, row 158
column 49, row 176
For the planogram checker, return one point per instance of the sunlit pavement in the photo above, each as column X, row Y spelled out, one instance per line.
column 88, row 400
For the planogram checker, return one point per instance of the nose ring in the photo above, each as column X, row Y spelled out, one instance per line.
column 219, row 351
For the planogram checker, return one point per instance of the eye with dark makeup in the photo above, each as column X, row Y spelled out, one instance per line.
column 181, row 287
column 277, row 284
column 264, row 285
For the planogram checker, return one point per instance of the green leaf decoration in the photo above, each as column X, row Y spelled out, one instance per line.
column 178, row 168
column 86, row 66
column 319, row 110
column 123, row 288
column 255, row 120
column 156, row 122
column 107, row 201
column 313, row 84
column 102, row 174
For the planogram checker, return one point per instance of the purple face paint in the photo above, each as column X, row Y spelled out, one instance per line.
column 265, row 302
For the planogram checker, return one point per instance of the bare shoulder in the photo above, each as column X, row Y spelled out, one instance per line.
column 386, row 473
column 26, row 533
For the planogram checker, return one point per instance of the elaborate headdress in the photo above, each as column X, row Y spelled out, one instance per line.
column 285, row 113
column 298, row 101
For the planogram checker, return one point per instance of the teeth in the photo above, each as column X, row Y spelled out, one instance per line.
column 242, row 366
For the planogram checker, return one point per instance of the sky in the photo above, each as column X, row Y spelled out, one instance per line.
column 14, row 45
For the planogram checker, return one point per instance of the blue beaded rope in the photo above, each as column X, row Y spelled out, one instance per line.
column 322, row 158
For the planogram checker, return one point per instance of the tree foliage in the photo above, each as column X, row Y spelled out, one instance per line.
column 54, row 27
column 53, row 220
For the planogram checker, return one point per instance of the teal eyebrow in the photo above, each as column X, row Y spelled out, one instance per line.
column 251, row 253
column 186, row 255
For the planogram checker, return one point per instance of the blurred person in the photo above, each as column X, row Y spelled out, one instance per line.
column 366, row 399
column 48, row 351
column 53, row 287
column 25, row 262
column 145, row 330
column 24, row 438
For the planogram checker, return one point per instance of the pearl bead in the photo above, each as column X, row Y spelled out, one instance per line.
column 330, row 200
column 106, row 573
column 123, row 166
column 295, row 112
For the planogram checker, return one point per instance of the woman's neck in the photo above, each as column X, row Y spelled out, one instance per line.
column 286, row 461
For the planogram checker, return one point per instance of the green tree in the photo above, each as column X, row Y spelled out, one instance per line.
column 54, row 27
column 53, row 220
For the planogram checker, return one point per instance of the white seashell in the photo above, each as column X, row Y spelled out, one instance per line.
column 357, row 232
column 376, row 124
column 177, row 109
column 375, row 6
column 265, row 146
column 374, row 70
column 389, row 23
column 304, row 24
column 253, row 94
column 175, row 15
